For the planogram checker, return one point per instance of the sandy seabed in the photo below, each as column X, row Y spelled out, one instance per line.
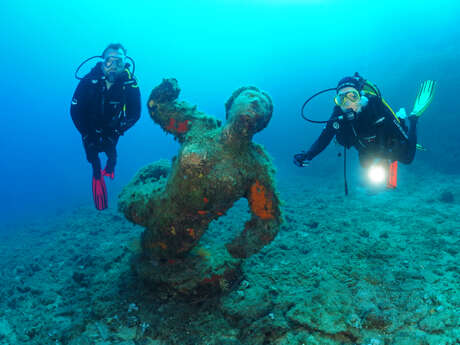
column 360, row 269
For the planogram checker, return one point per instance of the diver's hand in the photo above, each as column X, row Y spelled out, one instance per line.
column 301, row 160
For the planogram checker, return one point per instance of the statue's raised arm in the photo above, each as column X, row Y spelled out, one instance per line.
column 173, row 116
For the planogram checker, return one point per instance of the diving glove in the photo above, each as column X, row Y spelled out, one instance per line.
column 301, row 160
column 424, row 97
column 401, row 114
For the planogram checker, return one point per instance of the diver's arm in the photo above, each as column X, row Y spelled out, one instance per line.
column 133, row 107
column 78, row 108
column 321, row 143
column 303, row 159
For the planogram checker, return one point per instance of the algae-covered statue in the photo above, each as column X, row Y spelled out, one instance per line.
column 216, row 166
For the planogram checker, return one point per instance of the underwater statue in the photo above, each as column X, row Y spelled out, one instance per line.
column 216, row 166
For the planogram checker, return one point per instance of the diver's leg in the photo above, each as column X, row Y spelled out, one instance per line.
column 92, row 155
column 111, row 152
column 407, row 155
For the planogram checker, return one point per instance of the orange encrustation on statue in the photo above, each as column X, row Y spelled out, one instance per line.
column 261, row 205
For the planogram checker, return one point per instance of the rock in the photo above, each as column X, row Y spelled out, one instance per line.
column 319, row 316
column 205, row 272
column 82, row 340
column 103, row 330
column 301, row 337
column 447, row 197
column 376, row 319
column 433, row 324
column 150, row 341
column 80, row 278
column 7, row 333
column 127, row 333
column 23, row 289
column 255, row 304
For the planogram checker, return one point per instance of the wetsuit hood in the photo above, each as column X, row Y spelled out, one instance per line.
column 354, row 82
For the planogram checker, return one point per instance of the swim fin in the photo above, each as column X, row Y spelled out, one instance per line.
column 100, row 193
column 424, row 97
column 420, row 147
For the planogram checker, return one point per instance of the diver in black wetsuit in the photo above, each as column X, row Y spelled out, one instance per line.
column 106, row 103
column 366, row 122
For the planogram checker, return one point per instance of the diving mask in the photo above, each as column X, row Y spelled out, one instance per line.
column 343, row 97
column 114, row 62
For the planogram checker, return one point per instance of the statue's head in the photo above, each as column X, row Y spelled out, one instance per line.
column 249, row 110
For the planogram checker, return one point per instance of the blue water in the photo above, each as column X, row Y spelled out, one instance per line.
column 291, row 49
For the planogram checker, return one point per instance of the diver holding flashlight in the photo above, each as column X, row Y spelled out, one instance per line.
column 106, row 103
column 362, row 119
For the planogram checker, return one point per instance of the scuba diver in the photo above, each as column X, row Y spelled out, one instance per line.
column 362, row 119
column 106, row 103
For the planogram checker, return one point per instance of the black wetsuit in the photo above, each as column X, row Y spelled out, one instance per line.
column 374, row 132
column 102, row 115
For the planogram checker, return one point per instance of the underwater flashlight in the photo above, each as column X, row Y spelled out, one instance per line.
column 377, row 174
